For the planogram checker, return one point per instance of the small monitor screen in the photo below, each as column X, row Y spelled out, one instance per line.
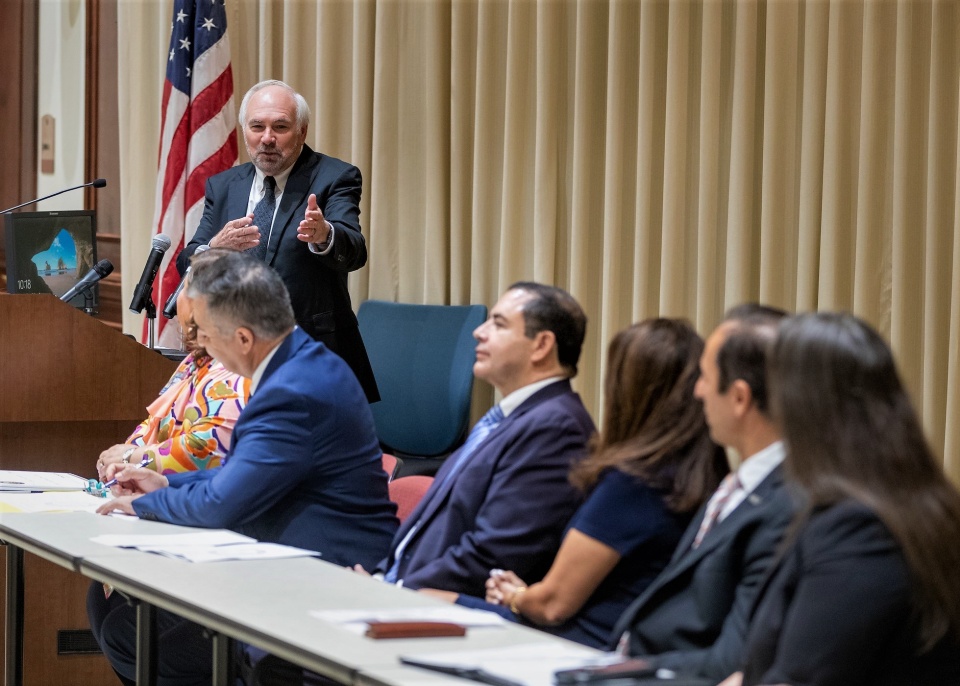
column 49, row 252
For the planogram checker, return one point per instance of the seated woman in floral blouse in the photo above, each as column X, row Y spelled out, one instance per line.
column 190, row 424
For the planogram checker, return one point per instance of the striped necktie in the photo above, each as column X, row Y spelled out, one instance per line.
column 263, row 216
column 726, row 489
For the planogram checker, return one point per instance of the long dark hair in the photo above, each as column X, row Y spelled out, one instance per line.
column 653, row 427
column 852, row 433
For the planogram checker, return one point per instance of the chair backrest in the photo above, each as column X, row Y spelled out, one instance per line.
column 422, row 357
column 407, row 491
column 391, row 465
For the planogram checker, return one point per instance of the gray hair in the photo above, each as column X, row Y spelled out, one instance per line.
column 240, row 290
column 303, row 109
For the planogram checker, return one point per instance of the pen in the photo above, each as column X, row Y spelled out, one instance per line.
column 143, row 463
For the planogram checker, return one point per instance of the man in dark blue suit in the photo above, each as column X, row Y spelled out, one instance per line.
column 308, row 229
column 503, row 499
column 304, row 468
column 693, row 618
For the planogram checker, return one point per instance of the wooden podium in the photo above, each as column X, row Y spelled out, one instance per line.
column 70, row 386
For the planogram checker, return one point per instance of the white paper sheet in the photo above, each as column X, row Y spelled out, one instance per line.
column 531, row 664
column 53, row 501
column 211, row 537
column 236, row 551
column 204, row 546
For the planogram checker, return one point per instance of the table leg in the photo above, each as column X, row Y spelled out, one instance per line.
column 224, row 666
column 13, row 630
column 146, row 644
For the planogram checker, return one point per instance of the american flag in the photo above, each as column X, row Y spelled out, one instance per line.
column 198, row 130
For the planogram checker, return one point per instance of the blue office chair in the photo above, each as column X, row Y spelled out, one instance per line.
column 422, row 357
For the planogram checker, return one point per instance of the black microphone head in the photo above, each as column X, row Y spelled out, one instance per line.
column 103, row 268
column 99, row 183
column 161, row 242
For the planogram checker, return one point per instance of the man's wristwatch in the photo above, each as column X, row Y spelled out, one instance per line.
column 127, row 454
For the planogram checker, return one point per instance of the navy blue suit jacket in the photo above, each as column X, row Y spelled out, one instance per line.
column 304, row 468
column 694, row 615
column 507, row 506
column 317, row 283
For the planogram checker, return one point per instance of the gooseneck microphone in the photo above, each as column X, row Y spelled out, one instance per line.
column 96, row 183
column 141, row 295
column 99, row 271
column 170, row 308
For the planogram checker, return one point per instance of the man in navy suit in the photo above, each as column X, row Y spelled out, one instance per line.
column 304, row 468
column 693, row 618
column 504, row 500
column 310, row 233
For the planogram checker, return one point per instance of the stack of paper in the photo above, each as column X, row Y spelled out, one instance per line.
column 28, row 482
column 204, row 546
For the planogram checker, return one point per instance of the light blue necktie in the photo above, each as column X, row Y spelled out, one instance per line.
column 480, row 431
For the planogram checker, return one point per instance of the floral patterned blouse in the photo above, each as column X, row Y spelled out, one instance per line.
column 190, row 424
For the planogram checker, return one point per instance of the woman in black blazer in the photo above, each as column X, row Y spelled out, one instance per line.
column 867, row 589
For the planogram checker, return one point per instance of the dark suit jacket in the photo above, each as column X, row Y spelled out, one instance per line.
column 507, row 506
column 317, row 283
column 837, row 611
column 304, row 468
column 693, row 616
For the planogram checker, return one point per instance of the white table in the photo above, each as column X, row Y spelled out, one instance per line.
column 266, row 603
column 61, row 538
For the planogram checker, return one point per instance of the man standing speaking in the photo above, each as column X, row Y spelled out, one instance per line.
column 298, row 211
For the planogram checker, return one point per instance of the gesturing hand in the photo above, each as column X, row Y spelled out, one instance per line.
column 314, row 228
column 237, row 234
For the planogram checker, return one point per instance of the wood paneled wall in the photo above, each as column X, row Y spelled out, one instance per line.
column 18, row 101
column 18, row 108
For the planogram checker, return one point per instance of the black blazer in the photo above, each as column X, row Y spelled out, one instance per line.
column 837, row 611
column 317, row 283
column 693, row 616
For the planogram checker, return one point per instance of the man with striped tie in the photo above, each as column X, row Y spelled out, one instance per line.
column 298, row 211
column 692, row 619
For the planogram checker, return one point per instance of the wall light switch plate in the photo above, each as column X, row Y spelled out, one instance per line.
column 48, row 139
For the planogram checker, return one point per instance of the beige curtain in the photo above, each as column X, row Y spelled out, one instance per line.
column 653, row 158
